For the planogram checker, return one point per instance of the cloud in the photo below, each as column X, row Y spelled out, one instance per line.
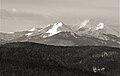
column 14, row 10
column 61, row 10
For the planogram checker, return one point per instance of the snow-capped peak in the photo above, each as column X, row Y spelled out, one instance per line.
column 100, row 26
column 54, row 30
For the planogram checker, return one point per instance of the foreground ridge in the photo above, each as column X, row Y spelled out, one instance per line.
column 87, row 60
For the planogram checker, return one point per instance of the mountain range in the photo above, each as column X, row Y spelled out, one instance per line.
column 88, row 32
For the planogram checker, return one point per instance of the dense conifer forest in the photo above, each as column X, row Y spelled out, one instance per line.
column 32, row 59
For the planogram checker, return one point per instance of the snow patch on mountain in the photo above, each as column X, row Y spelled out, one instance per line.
column 28, row 34
column 100, row 26
column 54, row 30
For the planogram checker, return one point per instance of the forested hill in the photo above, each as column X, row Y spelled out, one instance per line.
column 32, row 59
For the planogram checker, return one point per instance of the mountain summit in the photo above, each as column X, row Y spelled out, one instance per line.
column 90, row 27
column 53, row 29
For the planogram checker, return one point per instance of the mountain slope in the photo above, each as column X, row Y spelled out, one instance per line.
column 60, row 39
column 72, row 39
column 12, row 35
column 2, row 41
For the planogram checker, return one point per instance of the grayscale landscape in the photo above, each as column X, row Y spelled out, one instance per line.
column 59, row 38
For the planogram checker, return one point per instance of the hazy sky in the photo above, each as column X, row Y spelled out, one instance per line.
column 43, row 12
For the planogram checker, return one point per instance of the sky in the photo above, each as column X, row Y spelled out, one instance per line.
column 26, row 14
